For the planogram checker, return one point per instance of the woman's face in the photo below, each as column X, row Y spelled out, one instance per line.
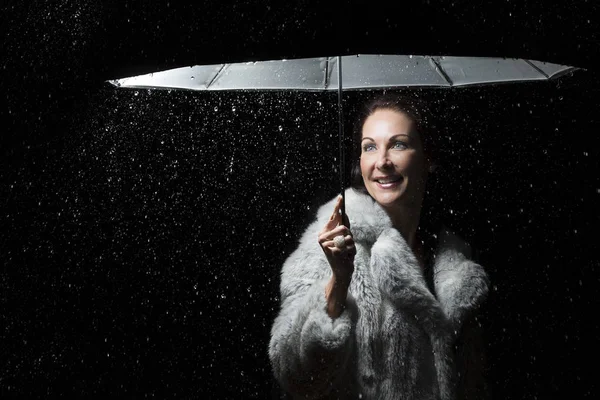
column 392, row 162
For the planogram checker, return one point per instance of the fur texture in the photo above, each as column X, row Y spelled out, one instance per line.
column 395, row 339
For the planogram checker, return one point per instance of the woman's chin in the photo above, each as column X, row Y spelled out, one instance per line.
column 388, row 199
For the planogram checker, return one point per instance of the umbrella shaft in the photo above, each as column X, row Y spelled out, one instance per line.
column 341, row 133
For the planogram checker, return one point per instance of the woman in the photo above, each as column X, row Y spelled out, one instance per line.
column 358, row 317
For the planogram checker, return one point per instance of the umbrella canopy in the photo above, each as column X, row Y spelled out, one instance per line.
column 360, row 72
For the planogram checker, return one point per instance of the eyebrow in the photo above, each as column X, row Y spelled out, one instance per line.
column 393, row 137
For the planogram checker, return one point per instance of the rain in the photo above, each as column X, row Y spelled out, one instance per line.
column 143, row 230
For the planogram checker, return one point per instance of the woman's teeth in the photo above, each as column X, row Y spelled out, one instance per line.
column 389, row 183
column 388, row 180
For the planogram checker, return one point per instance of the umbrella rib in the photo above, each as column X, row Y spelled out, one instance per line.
column 216, row 75
column 565, row 71
column 442, row 72
column 326, row 73
column 536, row 68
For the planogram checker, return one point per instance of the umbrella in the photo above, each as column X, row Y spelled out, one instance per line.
column 370, row 71
column 360, row 72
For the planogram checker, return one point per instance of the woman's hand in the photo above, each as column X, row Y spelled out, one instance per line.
column 340, row 257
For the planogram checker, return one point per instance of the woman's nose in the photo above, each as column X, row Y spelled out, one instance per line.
column 383, row 161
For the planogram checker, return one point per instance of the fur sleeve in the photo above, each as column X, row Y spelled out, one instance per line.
column 461, row 284
column 307, row 347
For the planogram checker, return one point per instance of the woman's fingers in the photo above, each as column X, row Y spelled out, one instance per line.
column 337, row 225
column 346, row 252
column 339, row 230
column 335, row 218
column 329, row 235
column 330, row 244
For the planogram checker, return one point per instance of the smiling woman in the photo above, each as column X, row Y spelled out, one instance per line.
column 374, row 305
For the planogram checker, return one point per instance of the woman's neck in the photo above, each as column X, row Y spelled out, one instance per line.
column 406, row 220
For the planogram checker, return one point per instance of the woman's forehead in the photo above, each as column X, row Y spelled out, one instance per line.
column 387, row 122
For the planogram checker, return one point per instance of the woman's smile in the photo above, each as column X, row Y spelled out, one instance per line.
column 391, row 182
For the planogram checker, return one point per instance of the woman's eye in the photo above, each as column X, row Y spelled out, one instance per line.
column 369, row 147
column 400, row 145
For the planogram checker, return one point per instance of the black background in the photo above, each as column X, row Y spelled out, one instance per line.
column 142, row 232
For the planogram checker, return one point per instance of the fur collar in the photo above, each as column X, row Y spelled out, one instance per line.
column 460, row 284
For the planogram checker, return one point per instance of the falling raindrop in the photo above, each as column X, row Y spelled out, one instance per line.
column 231, row 165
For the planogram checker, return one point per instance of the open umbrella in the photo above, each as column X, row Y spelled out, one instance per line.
column 360, row 72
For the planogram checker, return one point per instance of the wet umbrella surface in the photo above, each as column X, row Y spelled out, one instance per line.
column 142, row 238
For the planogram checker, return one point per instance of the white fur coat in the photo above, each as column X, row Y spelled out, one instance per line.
column 395, row 339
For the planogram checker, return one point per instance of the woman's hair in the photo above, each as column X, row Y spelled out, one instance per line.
column 416, row 110
column 424, row 123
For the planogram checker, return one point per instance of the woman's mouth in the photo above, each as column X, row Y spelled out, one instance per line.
column 389, row 183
